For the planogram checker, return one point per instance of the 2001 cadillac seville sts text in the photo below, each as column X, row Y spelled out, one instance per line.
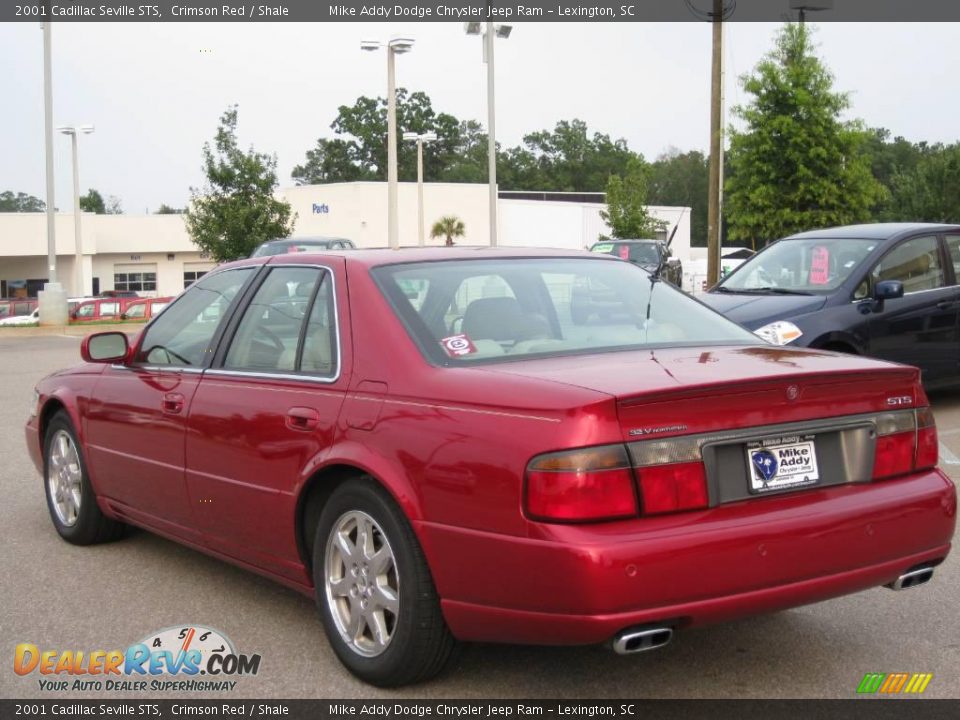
column 428, row 442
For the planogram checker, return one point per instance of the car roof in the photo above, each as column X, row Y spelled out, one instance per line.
column 373, row 257
column 874, row 231
column 305, row 239
column 627, row 240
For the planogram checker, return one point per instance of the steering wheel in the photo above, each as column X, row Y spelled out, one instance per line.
column 272, row 337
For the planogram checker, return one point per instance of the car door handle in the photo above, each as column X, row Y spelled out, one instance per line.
column 946, row 304
column 302, row 418
column 173, row 403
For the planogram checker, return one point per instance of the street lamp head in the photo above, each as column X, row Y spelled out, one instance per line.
column 811, row 5
column 75, row 129
column 400, row 45
column 428, row 137
column 370, row 45
column 86, row 129
column 410, row 136
column 503, row 31
column 472, row 28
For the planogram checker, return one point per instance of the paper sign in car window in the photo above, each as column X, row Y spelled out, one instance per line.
column 820, row 266
column 602, row 247
column 624, row 252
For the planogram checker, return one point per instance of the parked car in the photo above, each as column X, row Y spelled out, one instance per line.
column 886, row 290
column 21, row 320
column 17, row 307
column 651, row 255
column 144, row 309
column 302, row 244
column 118, row 294
column 509, row 476
column 99, row 309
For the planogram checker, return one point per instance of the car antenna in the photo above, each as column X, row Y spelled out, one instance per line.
column 663, row 256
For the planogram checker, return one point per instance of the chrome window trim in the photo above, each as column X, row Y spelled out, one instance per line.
column 222, row 371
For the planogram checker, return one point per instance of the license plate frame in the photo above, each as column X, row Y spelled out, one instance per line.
column 782, row 463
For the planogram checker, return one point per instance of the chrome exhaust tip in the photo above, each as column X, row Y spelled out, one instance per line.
column 912, row 579
column 628, row 642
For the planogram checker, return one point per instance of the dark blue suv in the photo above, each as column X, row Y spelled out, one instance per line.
column 889, row 290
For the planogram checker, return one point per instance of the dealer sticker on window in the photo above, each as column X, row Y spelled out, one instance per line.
column 780, row 463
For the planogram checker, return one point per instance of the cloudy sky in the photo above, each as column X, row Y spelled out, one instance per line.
column 156, row 91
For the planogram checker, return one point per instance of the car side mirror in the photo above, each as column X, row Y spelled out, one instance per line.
column 123, row 316
column 105, row 347
column 888, row 290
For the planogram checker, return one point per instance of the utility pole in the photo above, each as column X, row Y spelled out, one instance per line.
column 715, row 181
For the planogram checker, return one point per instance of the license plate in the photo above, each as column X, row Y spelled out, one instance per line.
column 781, row 463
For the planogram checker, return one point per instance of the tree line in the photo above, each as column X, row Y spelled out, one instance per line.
column 794, row 163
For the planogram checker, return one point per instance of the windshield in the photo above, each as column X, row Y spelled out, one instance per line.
column 810, row 266
column 468, row 311
column 641, row 253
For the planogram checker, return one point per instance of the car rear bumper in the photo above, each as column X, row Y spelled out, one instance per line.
column 583, row 584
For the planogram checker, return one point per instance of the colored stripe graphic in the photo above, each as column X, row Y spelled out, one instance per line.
column 893, row 683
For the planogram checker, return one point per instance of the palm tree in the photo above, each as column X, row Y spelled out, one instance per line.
column 449, row 226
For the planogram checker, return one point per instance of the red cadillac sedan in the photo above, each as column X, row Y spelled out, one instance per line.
column 427, row 442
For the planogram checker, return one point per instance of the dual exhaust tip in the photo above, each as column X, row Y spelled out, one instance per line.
column 912, row 578
column 628, row 642
column 637, row 640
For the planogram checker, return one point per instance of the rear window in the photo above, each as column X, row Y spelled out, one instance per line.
column 470, row 311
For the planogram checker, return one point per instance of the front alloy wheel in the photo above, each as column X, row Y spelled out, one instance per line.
column 63, row 478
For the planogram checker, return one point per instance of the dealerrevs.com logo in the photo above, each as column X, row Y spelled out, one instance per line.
column 185, row 658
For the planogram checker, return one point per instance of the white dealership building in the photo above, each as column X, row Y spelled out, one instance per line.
column 153, row 254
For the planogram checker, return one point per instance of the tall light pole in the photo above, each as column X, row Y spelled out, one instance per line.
column 52, row 299
column 74, row 132
column 488, row 32
column 396, row 46
column 715, row 181
column 420, row 140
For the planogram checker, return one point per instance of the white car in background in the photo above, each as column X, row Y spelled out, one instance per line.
column 22, row 320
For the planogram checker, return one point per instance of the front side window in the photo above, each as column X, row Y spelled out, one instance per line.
column 86, row 311
column 805, row 266
column 182, row 336
column 136, row 311
column 915, row 263
column 507, row 309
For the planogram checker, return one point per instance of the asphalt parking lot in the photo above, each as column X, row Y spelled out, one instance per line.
column 62, row 597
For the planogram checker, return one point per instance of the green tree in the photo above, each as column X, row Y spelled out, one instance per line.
column 449, row 227
column 236, row 211
column 626, row 212
column 21, row 202
column 93, row 202
column 358, row 150
column 796, row 165
column 680, row 179
column 569, row 159
column 930, row 191
column 165, row 209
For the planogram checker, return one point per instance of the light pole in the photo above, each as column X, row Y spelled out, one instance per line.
column 420, row 140
column 74, row 132
column 53, row 298
column 500, row 31
column 805, row 6
column 396, row 46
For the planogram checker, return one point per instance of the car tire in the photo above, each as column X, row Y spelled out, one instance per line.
column 70, row 497
column 378, row 603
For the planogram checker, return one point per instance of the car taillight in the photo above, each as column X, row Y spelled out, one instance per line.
column 672, row 488
column 928, row 449
column 581, row 485
column 906, row 441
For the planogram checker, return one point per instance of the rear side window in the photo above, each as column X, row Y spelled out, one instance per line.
column 953, row 245
column 288, row 326
column 136, row 311
column 183, row 334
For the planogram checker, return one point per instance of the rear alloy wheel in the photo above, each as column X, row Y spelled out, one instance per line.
column 70, row 498
column 376, row 596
